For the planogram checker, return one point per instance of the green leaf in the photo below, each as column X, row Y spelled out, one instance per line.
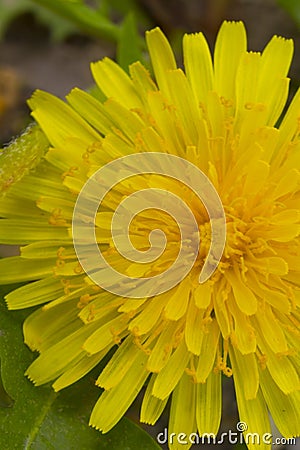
column 87, row 19
column 10, row 9
column 38, row 418
column 293, row 8
column 129, row 49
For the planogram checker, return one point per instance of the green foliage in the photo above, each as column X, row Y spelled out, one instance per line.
column 293, row 8
column 39, row 419
column 129, row 48
column 97, row 23
column 72, row 16
column 10, row 9
column 87, row 19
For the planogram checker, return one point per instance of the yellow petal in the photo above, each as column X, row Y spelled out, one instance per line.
column 142, row 80
column 185, row 104
column 119, row 364
column 148, row 317
column 208, row 351
column 197, row 60
column 182, row 413
column 15, row 269
column 46, row 327
column 252, row 412
column 209, row 404
column 113, row 404
column 91, row 110
column 169, row 376
column 271, row 330
column 244, row 297
column 284, row 408
column 231, row 45
column 275, row 63
column 247, row 80
column 202, row 295
column 162, row 350
column 290, row 125
column 104, row 335
column 35, row 293
column 115, row 83
column 61, row 356
column 152, row 407
column 243, row 334
column 245, row 367
column 178, row 301
column 75, row 373
column 58, row 120
column 162, row 57
column 194, row 328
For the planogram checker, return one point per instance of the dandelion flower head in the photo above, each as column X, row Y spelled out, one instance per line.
column 221, row 116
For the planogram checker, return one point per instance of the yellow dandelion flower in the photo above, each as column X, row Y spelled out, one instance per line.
column 243, row 320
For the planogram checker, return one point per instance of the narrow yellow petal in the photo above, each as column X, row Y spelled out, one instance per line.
column 194, row 328
column 270, row 328
column 208, row 351
column 58, row 120
column 15, row 269
column 202, row 295
column 128, row 122
column 275, row 62
column 231, row 45
column 119, row 364
column 244, row 297
column 46, row 327
column 182, row 414
column 113, row 404
column 152, row 407
column 183, row 99
column 258, row 173
column 48, row 249
column 284, row 409
column 115, row 83
column 197, row 60
column 91, row 110
column 290, row 125
column 247, row 371
column 216, row 117
column 35, row 293
column 142, row 79
column 169, row 376
column 13, row 208
column 14, row 231
column 243, row 335
column 209, row 404
column 162, row 350
column 162, row 57
column 178, row 301
column 75, row 373
column 253, row 413
column 61, row 356
column 246, row 81
column 104, row 335
column 148, row 317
